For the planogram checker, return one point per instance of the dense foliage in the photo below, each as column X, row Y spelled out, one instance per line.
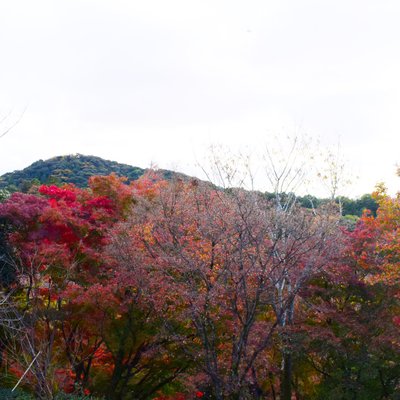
column 75, row 169
column 174, row 289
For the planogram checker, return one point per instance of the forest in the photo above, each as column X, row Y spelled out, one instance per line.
column 174, row 289
column 199, row 200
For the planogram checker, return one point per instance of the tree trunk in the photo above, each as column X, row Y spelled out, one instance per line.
column 286, row 377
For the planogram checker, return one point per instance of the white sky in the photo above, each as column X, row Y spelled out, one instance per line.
column 160, row 80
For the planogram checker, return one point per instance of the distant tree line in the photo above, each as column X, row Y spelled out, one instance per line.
column 349, row 206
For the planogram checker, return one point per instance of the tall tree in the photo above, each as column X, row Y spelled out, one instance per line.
column 233, row 265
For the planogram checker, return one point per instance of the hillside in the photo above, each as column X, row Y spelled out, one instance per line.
column 74, row 169
column 78, row 168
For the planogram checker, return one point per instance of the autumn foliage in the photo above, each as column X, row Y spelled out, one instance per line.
column 180, row 290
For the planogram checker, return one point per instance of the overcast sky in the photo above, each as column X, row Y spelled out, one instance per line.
column 158, row 81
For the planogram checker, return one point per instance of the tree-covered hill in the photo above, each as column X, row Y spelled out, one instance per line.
column 78, row 168
column 74, row 169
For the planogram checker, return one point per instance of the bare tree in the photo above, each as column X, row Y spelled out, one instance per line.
column 8, row 122
column 21, row 346
column 29, row 326
column 333, row 173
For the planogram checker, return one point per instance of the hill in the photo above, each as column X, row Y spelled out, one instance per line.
column 78, row 168
column 74, row 169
